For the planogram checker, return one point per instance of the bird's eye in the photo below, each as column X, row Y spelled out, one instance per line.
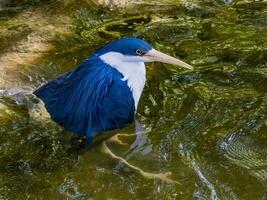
column 140, row 52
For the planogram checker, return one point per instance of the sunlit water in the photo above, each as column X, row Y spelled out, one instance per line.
column 207, row 127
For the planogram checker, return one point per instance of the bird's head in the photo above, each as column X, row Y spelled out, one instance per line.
column 138, row 50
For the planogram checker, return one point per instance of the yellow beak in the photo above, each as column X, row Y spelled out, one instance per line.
column 154, row 55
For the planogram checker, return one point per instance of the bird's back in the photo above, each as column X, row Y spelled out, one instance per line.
column 90, row 99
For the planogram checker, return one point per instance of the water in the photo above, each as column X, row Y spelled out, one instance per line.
column 207, row 127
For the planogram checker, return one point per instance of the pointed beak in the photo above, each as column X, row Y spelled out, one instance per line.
column 154, row 55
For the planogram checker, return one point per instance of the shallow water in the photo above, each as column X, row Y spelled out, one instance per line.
column 207, row 127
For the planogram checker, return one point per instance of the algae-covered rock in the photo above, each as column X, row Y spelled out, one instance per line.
column 11, row 33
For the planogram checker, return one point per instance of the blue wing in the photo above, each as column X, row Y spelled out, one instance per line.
column 89, row 99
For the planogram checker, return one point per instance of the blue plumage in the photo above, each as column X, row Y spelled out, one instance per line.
column 86, row 100
column 126, row 46
column 93, row 98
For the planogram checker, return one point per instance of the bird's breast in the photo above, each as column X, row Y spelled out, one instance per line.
column 134, row 73
column 135, row 78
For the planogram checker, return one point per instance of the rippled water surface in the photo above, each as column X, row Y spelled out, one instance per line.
column 207, row 127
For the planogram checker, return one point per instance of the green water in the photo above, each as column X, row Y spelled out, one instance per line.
column 207, row 127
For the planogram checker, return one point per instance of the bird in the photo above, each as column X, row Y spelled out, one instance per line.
column 103, row 92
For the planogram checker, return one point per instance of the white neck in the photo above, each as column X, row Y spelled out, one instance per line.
column 133, row 71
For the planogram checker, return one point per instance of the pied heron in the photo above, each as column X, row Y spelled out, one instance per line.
column 103, row 92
